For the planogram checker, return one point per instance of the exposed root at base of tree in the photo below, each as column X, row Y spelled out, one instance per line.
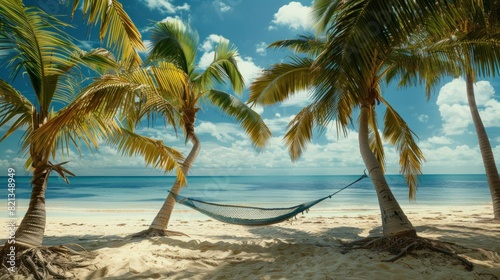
column 152, row 232
column 400, row 246
column 45, row 262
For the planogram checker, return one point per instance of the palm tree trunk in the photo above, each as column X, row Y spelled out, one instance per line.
column 394, row 221
column 161, row 220
column 32, row 228
column 485, row 147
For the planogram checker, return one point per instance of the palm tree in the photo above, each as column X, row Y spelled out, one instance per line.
column 471, row 39
column 39, row 47
column 177, row 43
column 365, row 40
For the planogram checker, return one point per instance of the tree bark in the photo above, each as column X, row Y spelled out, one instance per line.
column 32, row 228
column 485, row 147
column 394, row 221
column 162, row 219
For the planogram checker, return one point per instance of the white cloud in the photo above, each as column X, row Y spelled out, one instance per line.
column 248, row 69
column 454, row 109
column 440, row 140
column 423, row 118
column 299, row 99
column 449, row 159
column 167, row 135
column 261, row 48
column 211, row 41
column 205, row 59
column 258, row 109
column 221, row 7
column 167, row 19
column 293, row 15
column 165, row 6
column 223, row 132
column 278, row 125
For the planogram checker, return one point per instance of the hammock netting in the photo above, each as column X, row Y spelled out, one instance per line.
column 245, row 215
column 251, row 216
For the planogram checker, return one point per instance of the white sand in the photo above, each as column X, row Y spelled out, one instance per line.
column 306, row 248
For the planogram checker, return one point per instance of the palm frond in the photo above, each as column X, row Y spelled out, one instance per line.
column 69, row 85
column 397, row 132
column 250, row 121
column 42, row 48
column 100, row 60
column 360, row 30
column 306, row 43
column 281, row 81
column 416, row 66
column 13, row 107
column 299, row 132
column 121, row 33
column 223, row 68
column 89, row 130
column 174, row 42
column 154, row 152
column 111, row 95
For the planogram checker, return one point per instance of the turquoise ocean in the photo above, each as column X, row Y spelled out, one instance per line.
column 143, row 196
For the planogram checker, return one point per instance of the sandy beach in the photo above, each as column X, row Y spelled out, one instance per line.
column 308, row 247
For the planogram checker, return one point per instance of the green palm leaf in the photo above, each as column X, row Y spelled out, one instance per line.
column 175, row 42
column 397, row 132
column 308, row 44
column 41, row 48
column 249, row 119
column 299, row 132
column 281, row 81
column 111, row 95
column 122, row 35
column 223, row 68
column 154, row 152
column 13, row 107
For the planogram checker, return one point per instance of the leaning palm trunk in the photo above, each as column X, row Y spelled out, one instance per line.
column 161, row 220
column 485, row 147
column 394, row 221
column 32, row 228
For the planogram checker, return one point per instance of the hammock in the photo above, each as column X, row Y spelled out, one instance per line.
column 251, row 216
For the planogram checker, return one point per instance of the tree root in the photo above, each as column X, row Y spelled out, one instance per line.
column 152, row 232
column 400, row 246
column 46, row 263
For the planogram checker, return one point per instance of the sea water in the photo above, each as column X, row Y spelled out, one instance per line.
column 138, row 195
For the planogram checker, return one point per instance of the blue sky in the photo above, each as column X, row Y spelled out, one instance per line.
column 443, row 123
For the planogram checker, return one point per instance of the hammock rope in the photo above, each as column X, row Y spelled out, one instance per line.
column 252, row 216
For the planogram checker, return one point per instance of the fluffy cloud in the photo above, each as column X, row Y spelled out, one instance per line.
column 454, row 109
column 165, row 6
column 293, row 15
